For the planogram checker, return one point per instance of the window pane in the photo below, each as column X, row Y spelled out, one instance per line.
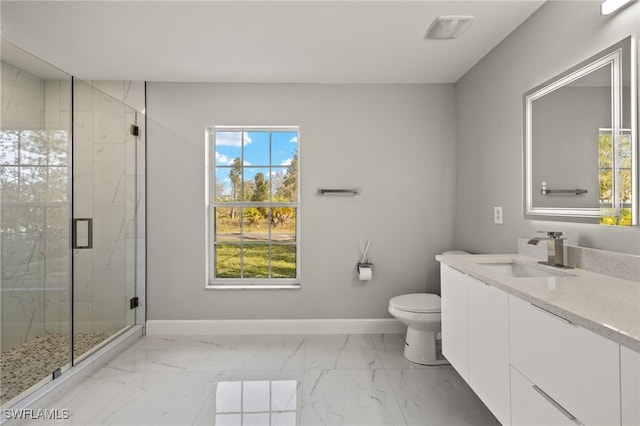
column 228, row 397
column 58, row 141
column 256, row 149
column 255, row 419
column 33, row 184
column 625, row 152
column 283, row 261
column 223, row 191
column 255, row 395
column 284, row 184
column 606, row 188
column 625, row 185
column 9, row 182
column 255, row 224
column 234, row 179
column 285, row 162
column 33, row 147
column 255, row 261
column 256, row 184
column 228, row 420
column 283, row 395
column 283, row 224
column 9, row 147
column 284, row 147
column 287, row 418
column 605, row 159
column 58, row 184
column 227, row 260
column 228, row 224
column 228, row 146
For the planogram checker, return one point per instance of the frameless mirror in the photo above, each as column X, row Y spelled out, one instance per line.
column 580, row 137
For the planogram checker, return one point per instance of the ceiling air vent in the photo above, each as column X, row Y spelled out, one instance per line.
column 448, row 27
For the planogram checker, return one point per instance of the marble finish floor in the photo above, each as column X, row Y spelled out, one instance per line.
column 270, row 380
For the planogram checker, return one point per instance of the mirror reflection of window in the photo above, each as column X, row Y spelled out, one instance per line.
column 250, row 402
column 615, row 176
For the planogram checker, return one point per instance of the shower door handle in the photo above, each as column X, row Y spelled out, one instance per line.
column 83, row 233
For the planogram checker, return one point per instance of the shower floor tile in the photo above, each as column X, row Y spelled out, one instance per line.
column 28, row 363
column 270, row 380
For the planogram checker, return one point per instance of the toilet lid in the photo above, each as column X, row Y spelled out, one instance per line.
column 416, row 302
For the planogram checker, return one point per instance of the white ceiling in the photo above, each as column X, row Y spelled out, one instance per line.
column 354, row 41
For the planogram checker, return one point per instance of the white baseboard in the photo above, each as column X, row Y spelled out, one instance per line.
column 274, row 326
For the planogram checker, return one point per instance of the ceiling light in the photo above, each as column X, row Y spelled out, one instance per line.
column 448, row 27
column 610, row 6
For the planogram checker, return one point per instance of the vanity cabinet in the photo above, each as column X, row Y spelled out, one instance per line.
column 531, row 407
column 630, row 386
column 489, row 347
column 575, row 370
column 475, row 332
column 454, row 314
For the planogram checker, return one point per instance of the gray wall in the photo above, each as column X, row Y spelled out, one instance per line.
column 489, row 125
column 395, row 142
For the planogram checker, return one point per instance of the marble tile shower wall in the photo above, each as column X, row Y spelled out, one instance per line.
column 34, row 173
column 105, row 190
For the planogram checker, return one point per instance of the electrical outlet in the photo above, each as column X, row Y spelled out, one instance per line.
column 497, row 215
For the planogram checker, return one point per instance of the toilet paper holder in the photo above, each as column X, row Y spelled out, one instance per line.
column 365, row 271
column 364, row 265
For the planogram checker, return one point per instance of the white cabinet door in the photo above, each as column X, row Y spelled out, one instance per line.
column 579, row 369
column 630, row 376
column 455, row 331
column 489, row 347
column 530, row 407
column 475, row 337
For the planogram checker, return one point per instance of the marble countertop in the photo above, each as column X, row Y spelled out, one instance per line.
column 603, row 304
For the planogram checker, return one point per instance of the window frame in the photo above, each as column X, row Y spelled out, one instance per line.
column 216, row 283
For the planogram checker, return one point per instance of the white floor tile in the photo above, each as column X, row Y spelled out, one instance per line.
column 341, row 352
column 269, row 353
column 349, row 397
column 274, row 380
column 437, row 396
column 393, row 357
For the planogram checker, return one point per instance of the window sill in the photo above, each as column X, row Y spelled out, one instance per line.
column 257, row 286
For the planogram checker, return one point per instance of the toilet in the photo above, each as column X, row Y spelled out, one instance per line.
column 420, row 312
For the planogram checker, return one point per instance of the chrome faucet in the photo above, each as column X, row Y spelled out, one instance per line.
column 555, row 248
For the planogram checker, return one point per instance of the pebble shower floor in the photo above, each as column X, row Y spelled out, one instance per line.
column 28, row 363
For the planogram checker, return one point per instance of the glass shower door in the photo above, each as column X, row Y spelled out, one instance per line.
column 67, row 221
column 35, row 285
column 104, row 218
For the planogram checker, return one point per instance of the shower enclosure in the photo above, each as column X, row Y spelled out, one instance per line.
column 68, row 221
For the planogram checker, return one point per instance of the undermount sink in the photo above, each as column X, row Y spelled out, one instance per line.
column 521, row 270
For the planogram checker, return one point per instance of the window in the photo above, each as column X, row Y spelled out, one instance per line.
column 253, row 207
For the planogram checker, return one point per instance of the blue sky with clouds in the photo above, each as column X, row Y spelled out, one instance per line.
column 259, row 153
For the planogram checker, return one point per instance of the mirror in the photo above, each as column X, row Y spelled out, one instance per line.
column 580, row 137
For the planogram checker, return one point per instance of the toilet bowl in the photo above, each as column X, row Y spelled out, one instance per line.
column 420, row 312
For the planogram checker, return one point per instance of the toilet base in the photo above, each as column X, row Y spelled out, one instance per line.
column 420, row 347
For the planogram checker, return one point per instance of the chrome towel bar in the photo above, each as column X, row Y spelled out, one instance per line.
column 545, row 191
column 352, row 191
